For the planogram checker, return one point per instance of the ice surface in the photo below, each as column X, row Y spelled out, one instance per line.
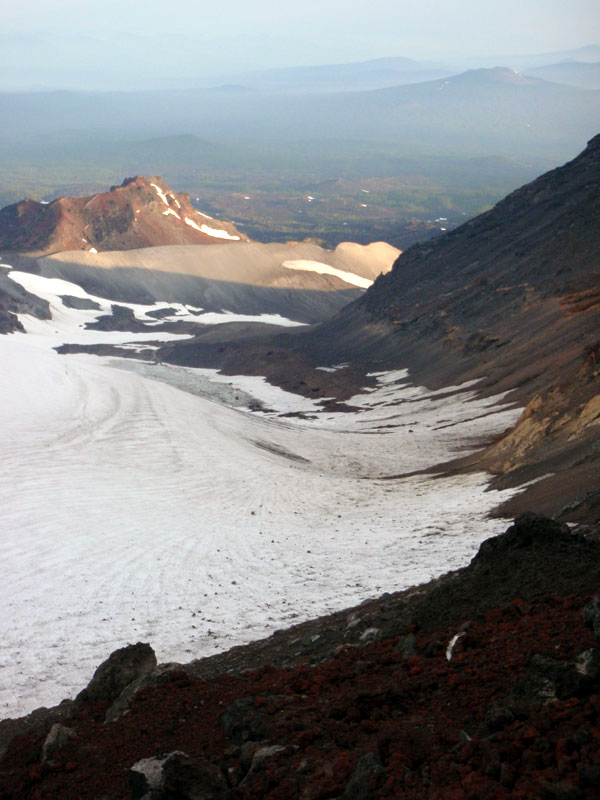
column 137, row 504
column 325, row 269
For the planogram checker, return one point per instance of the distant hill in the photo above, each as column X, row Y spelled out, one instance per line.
column 527, row 61
column 478, row 112
column 354, row 76
column 584, row 74
column 496, row 106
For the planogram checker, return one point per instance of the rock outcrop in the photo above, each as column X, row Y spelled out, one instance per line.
column 141, row 212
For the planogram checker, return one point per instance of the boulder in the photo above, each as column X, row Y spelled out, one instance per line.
column 57, row 738
column 121, row 668
column 528, row 530
column 176, row 776
column 365, row 780
column 591, row 616
column 244, row 721
column 262, row 754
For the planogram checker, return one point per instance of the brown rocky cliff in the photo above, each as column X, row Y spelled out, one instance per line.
column 141, row 212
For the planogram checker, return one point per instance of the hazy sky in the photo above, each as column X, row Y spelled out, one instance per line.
column 139, row 44
column 366, row 28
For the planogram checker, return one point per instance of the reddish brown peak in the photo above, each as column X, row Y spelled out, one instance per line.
column 127, row 182
column 139, row 182
column 28, row 225
column 141, row 212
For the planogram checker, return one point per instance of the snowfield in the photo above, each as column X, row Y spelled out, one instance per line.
column 134, row 510
column 70, row 322
column 325, row 269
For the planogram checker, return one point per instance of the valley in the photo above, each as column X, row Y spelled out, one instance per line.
column 300, row 401
column 187, row 519
column 206, row 443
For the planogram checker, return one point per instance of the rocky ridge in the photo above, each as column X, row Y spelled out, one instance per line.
column 141, row 212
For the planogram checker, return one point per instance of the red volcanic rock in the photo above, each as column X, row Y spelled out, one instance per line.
column 141, row 212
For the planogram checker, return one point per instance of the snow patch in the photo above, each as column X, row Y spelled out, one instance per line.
column 192, row 224
column 325, row 269
column 161, row 194
column 216, row 318
column 217, row 233
column 452, row 645
column 171, row 211
column 69, row 323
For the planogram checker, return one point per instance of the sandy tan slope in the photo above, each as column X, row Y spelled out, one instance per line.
column 249, row 263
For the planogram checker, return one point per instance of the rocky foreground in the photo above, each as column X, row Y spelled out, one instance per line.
column 482, row 684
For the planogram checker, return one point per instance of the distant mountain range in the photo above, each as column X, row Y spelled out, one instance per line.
column 49, row 62
column 362, row 75
column 584, row 74
column 477, row 112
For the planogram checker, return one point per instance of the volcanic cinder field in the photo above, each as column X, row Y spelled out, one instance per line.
column 149, row 503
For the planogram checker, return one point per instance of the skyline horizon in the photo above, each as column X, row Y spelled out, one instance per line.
column 121, row 41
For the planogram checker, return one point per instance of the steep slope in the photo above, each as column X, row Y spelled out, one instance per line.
column 141, row 212
column 512, row 298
